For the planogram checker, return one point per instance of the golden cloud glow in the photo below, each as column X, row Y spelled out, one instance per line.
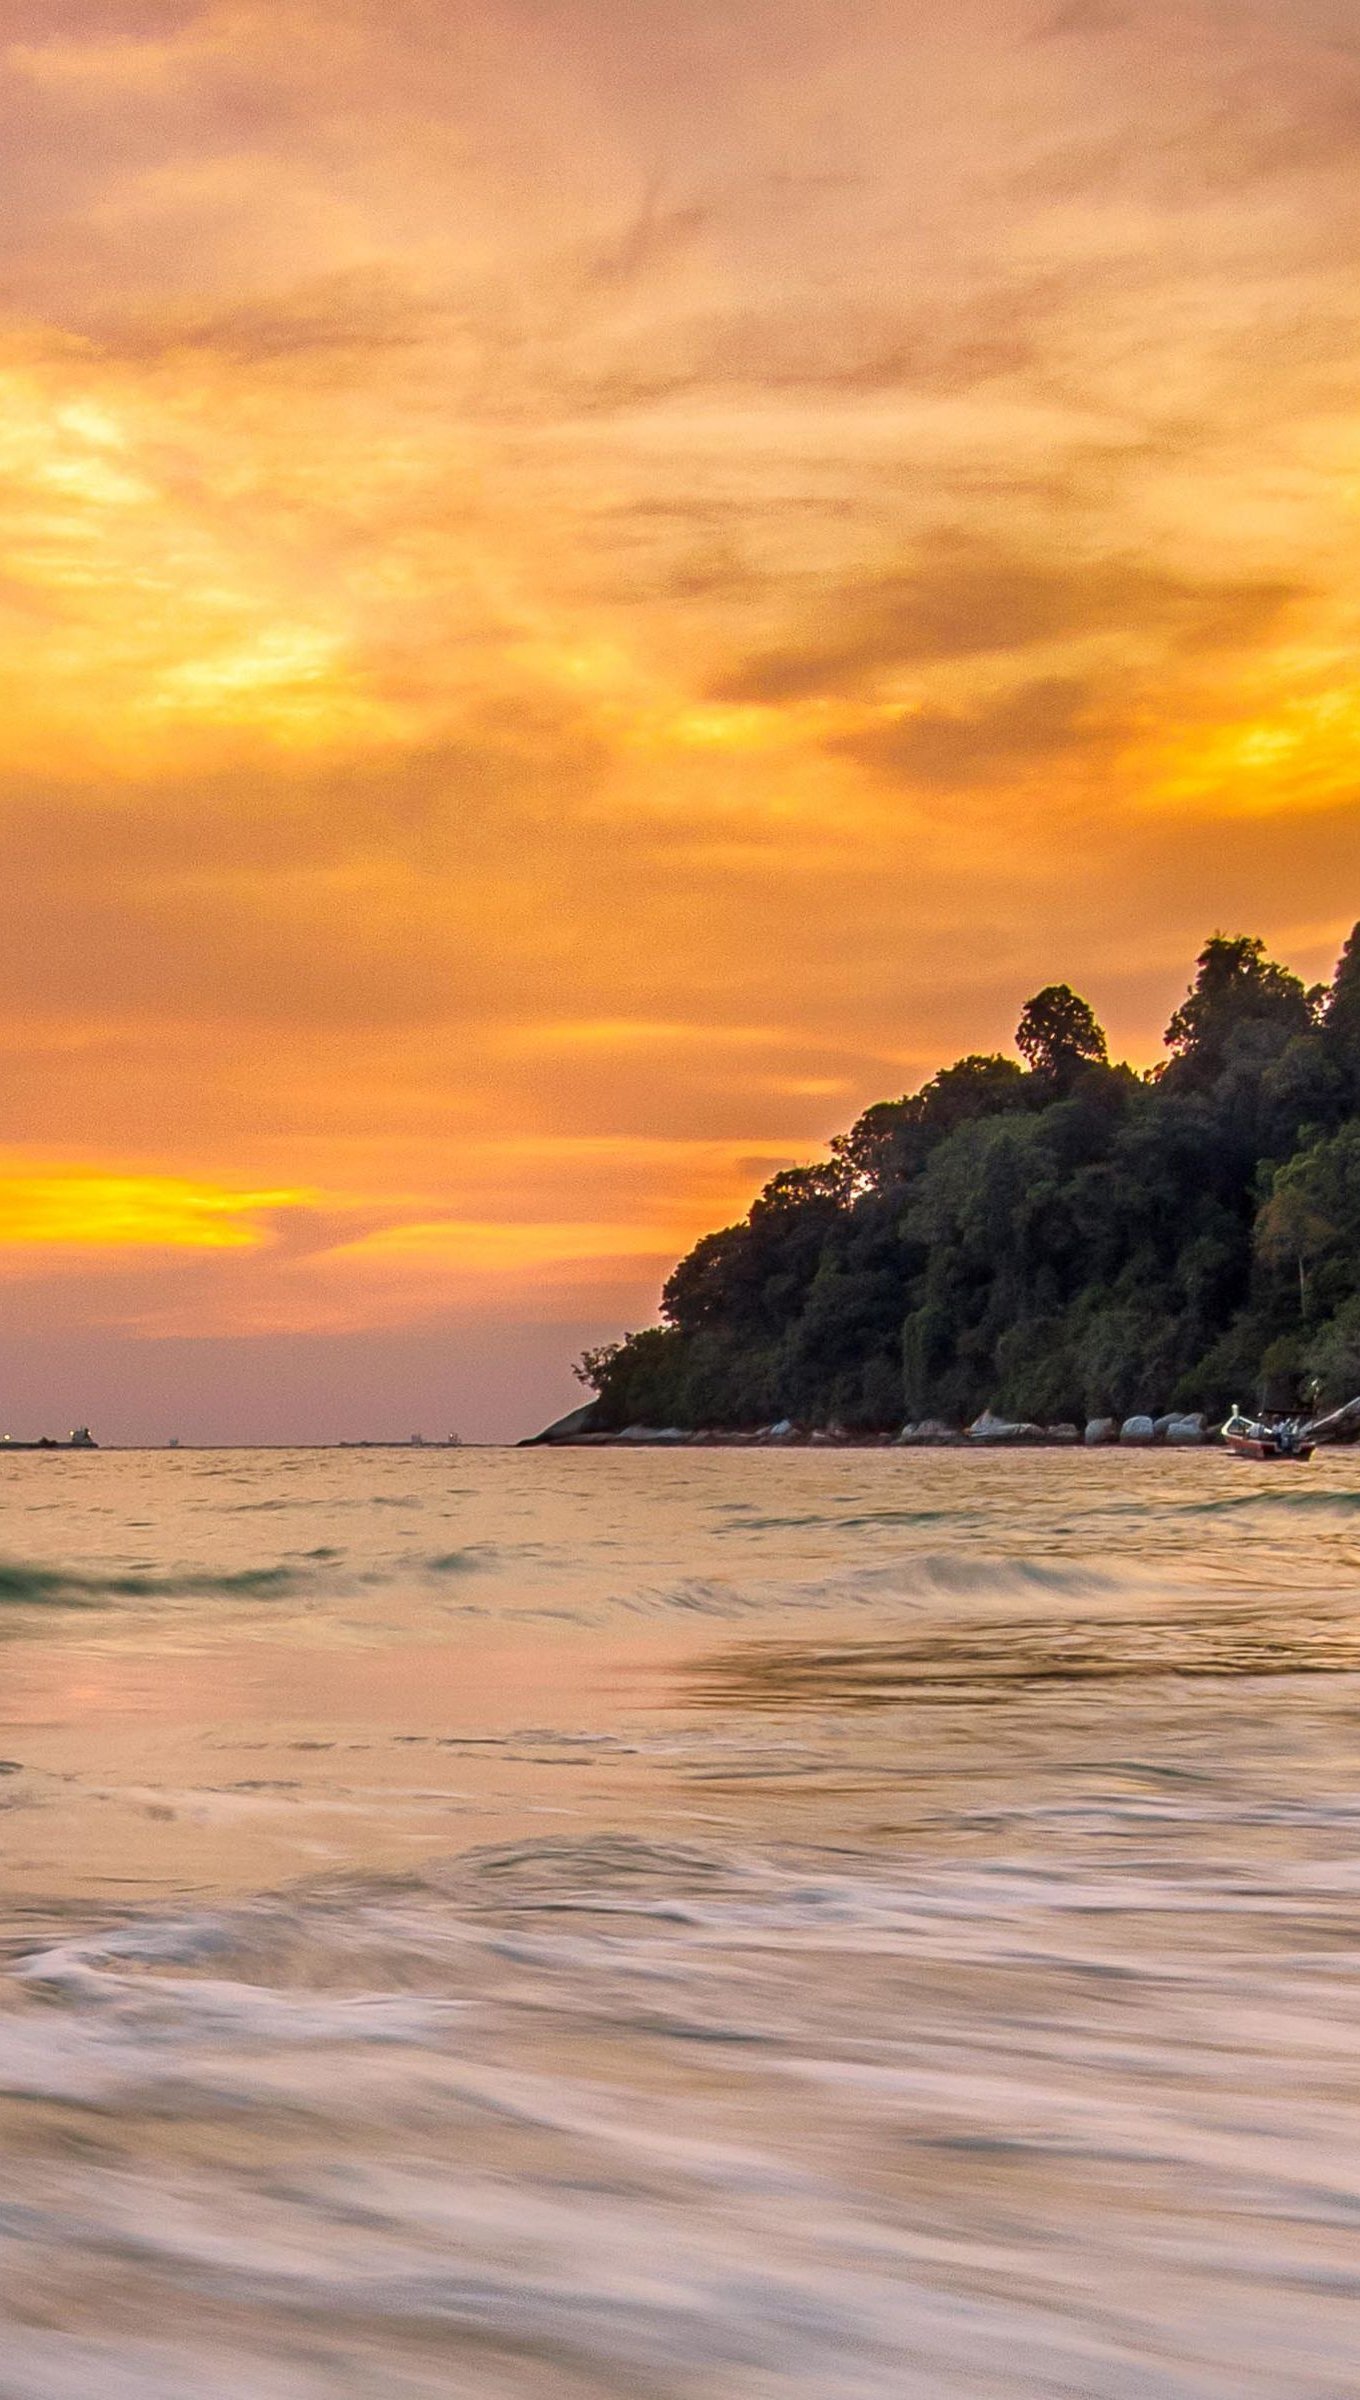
column 560, row 634
column 132, row 1212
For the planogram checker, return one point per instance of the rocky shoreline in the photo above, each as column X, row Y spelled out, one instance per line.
column 1171, row 1431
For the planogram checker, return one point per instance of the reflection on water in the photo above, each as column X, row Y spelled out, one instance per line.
column 728, row 1926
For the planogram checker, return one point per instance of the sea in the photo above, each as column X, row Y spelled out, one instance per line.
column 707, row 1925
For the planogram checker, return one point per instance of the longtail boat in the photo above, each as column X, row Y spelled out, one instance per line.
column 1267, row 1437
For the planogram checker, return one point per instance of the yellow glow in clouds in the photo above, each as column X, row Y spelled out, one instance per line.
column 131, row 1212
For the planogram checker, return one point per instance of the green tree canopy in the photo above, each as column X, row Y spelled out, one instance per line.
column 1236, row 990
column 1061, row 1237
column 1341, row 1020
column 892, row 1140
column 1058, row 1035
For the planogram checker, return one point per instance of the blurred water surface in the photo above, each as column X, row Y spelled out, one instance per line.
column 797, row 1926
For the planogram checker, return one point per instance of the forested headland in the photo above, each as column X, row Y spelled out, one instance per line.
column 1052, row 1235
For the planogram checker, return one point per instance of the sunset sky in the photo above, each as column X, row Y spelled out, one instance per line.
column 589, row 586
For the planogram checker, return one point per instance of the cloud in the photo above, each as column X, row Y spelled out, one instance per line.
column 350, row 313
column 1028, row 726
column 969, row 599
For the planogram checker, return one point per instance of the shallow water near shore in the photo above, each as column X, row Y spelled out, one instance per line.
column 797, row 1925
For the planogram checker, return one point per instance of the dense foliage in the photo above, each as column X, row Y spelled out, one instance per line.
column 1054, row 1240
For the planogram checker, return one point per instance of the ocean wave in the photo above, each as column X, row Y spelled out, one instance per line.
column 944, row 1571
column 898, row 1582
column 599, row 1862
column 30, row 1583
column 861, row 1520
column 25, row 1584
column 1323, row 1503
column 1006, row 1658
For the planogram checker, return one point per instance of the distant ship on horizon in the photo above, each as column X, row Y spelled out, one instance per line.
column 79, row 1438
column 413, row 1441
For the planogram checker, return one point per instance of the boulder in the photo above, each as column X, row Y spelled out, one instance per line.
column 1136, row 1432
column 1063, row 1435
column 570, row 1428
column 1185, row 1433
column 1161, row 1426
column 784, row 1431
column 1100, row 1430
column 988, row 1428
column 931, row 1433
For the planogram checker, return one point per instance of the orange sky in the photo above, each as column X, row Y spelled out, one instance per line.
column 588, row 587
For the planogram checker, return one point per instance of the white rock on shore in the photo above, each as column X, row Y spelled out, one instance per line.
column 986, row 1432
column 1186, row 1433
column 990, row 1429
